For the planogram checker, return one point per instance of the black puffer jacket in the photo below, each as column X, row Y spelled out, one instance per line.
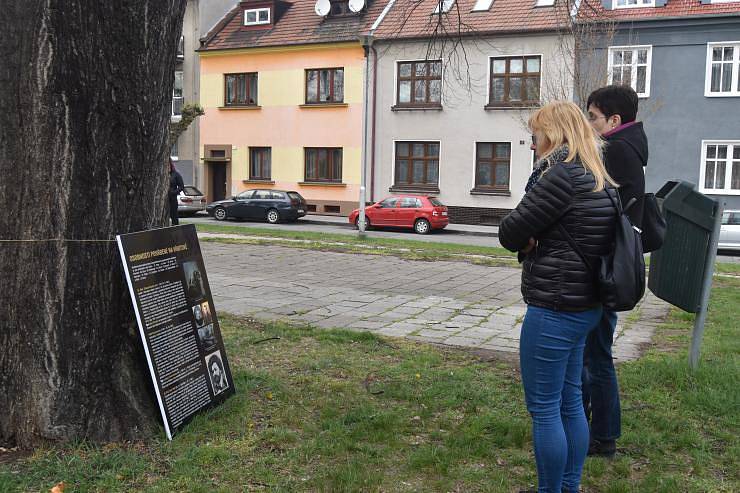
column 553, row 275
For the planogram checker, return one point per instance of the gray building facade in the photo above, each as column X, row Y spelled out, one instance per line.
column 200, row 17
column 686, row 70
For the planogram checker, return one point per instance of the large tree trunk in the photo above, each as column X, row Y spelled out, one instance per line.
column 85, row 89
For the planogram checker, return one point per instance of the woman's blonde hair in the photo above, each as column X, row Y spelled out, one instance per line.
column 562, row 122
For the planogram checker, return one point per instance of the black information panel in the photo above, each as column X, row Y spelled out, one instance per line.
column 177, row 321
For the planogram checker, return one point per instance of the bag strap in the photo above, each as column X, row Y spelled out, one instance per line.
column 575, row 247
column 617, row 205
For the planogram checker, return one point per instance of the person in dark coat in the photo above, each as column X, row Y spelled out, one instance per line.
column 176, row 186
column 612, row 111
column 568, row 193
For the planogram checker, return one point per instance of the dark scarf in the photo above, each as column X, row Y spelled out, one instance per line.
column 557, row 156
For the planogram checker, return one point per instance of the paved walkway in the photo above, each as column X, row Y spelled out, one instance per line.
column 450, row 303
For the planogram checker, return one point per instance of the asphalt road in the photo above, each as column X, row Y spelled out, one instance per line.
column 442, row 236
column 342, row 227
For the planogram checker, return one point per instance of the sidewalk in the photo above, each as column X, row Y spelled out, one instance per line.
column 463, row 229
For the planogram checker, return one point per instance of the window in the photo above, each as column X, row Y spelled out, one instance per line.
column 492, row 164
column 240, row 90
column 420, row 83
column 515, row 81
column 177, row 98
column 626, row 4
column 720, row 171
column 723, row 69
column 445, row 4
column 263, row 195
column 323, row 164
column 174, row 152
column 544, row 3
column 410, row 203
column 325, row 86
column 630, row 66
column 730, row 218
column 417, row 164
column 245, row 195
column 259, row 163
column 255, row 17
column 340, row 8
column 482, row 5
column 181, row 48
column 389, row 203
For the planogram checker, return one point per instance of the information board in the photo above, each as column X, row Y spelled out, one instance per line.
column 177, row 321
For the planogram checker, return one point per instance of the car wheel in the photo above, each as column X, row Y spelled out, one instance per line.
column 219, row 214
column 273, row 216
column 422, row 226
column 367, row 223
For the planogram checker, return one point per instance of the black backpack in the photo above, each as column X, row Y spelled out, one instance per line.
column 621, row 275
column 653, row 225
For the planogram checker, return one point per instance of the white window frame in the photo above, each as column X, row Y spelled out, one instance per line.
column 735, row 67
column 515, row 55
column 178, row 99
column 650, row 3
column 258, row 22
column 395, row 82
column 445, row 6
column 511, row 161
column 439, row 158
column 728, row 167
column 482, row 6
column 633, row 82
column 544, row 3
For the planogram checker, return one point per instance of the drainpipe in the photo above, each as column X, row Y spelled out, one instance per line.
column 372, row 135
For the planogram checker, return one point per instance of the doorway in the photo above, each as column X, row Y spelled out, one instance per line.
column 218, row 181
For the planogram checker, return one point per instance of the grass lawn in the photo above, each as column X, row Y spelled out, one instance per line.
column 337, row 411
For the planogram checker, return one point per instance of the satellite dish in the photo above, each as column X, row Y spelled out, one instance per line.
column 322, row 7
column 356, row 5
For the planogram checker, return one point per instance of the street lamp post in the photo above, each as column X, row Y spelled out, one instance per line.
column 367, row 41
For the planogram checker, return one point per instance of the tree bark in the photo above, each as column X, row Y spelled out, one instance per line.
column 85, row 90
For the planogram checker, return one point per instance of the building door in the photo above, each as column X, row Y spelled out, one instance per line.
column 218, row 181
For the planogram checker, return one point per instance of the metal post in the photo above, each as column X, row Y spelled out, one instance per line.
column 367, row 41
column 701, row 315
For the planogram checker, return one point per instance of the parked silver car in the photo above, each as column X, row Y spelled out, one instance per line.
column 729, row 233
column 190, row 202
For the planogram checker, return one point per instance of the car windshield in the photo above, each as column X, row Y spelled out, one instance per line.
column 436, row 202
column 190, row 190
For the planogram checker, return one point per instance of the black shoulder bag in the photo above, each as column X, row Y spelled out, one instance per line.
column 621, row 276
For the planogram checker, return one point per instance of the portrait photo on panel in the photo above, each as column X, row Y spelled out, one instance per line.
column 193, row 281
column 216, row 372
column 198, row 315
column 205, row 309
column 206, row 337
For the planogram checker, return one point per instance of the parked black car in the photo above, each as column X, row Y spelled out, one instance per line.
column 272, row 206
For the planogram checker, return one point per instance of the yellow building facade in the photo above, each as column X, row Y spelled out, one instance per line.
column 291, row 133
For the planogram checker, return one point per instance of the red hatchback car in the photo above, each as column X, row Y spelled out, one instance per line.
column 419, row 212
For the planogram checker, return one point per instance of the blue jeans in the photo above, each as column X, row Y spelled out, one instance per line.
column 551, row 360
column 600, row 387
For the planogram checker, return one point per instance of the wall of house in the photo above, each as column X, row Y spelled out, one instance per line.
column 463, row 120
column 677, row 115
column 282, row 121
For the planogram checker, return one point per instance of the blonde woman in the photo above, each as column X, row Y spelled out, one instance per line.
column 567, row 191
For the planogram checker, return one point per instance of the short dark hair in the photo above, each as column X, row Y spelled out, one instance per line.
column 615, row 100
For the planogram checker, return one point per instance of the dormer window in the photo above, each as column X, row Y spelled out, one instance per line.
column 340, row 8
column 627, row 4
column 444, row 6
column 256, row 17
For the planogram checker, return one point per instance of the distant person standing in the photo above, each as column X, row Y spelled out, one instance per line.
column 612, row 112
column 176, row 186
